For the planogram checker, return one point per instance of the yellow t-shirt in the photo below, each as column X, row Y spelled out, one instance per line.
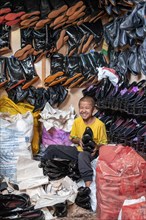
column 98, row 128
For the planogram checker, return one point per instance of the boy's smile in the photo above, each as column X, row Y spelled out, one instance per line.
column 86, row 110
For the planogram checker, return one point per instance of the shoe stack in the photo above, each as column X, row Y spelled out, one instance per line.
column 83, row 198
column 60, row 210
column 18, row 207
column 74, row 71
column 116, row 8
column 59, row 168
column 87, row 140
column 32, row 13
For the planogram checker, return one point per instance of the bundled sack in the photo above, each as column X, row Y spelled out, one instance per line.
column 16, row 132
column 8, row 106
column 120, row 174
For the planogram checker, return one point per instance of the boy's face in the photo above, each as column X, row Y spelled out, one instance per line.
column 86, row 110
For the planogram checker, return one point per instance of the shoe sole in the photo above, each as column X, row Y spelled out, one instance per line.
column 60, row 41
column 73, row 20
column 40, row 56
column 4, row 11
column 57, row 81
column 59, row 19
column 72, row 9
column 13, row 16
column 3, row 83
column 14, row 22
column 71, row 79
column 26, row 54
column 40, row 24
column 59, row 25
column 20, row 52
column 75, row 15
column 57, row 12
column 29, row 21
column 51, row 78
column 20, row 82
column 87, row 44
column 28, row 15
column 28, row 84
column 76, row 83
column 86, row 81
column 30, row 25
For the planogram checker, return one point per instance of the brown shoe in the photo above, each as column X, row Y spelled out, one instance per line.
column 29, row 25
column 40, row 24
column 51, row 78
column 28, row 15
column 74, row 8
column 60, row 19
column 29, row 21
column 78, row 16
column 76, row 82
column 57, row 81
column 26, row 54
column 87, row 44
column 76, row 13
column 21, row 51
column 60, row 41
column 59, row 25
column 28, row 84
column 55, row 13
column 70, row 79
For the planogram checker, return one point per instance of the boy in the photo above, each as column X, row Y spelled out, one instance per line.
column 84, row 158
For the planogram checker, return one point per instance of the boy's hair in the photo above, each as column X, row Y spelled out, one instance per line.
column 87, row 99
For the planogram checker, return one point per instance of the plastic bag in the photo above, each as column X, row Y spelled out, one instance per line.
column 120, row 174
column 16, row 132
column 8, row 106
column 55, row 136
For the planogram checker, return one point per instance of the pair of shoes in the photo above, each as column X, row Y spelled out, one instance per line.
column 83, row 198
column 87, row 139
column 60, row 209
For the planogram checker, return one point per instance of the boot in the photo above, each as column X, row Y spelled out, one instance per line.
column 39, row 37
column 41, row 98
column 96, row 29
column 5, row 7
column 5, row 46
column 17, row 94
column 26, row 36
column 29, row 71
column 17, row 10
column 142, row 57
column 45, row 9
column 73, row 6
column 15, row 73
column 58, row 7
column 3, row 78
column 58, row 94
column 57, row 68
column 73, row 70
column 32, row 8
column 88, row 40
column 60, row 210
column 87, row 70
column 75, row 39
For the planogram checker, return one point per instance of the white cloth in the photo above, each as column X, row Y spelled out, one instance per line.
column 56, row 118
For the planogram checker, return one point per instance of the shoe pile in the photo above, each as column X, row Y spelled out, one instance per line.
column 87, row 139
column 59, row 168
column 74, row 71
column 18, row 207
column 83, row 198
column 60, row 210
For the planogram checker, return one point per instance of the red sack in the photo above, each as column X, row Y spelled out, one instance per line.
column 120, row 174
column 134, row 212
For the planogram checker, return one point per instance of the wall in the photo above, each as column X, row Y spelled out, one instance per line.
column 44, row 66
